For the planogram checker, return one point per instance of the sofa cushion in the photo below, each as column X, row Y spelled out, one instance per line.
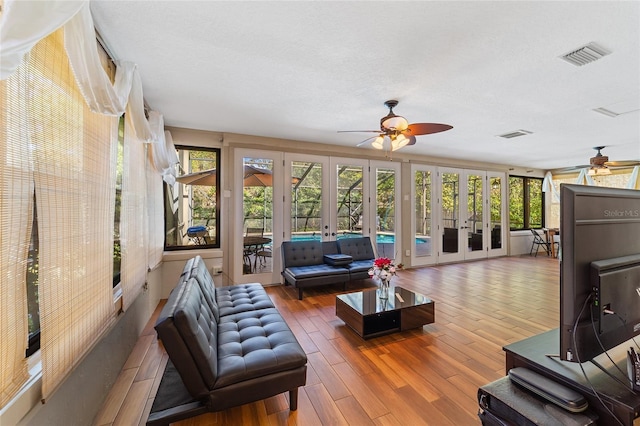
column 301, row 253
column 198, row 270
column 188, row 331
column 254, row 344
column 359, row 248
column 360, row 266
column 242, row 297
column 302, row 272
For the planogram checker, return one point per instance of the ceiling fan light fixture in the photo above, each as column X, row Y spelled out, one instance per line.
column 378, row 143
column 394, row 122
column 399, row 141
column 599, row 171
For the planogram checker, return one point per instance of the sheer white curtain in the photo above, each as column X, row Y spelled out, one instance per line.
column 584, row 178
column 634, row 180
column 548, row 185
column 24, row 23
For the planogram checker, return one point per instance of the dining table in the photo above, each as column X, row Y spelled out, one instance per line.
column 252, row 245
column 550, row 233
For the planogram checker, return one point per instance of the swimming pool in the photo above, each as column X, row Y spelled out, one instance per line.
column 380, row 238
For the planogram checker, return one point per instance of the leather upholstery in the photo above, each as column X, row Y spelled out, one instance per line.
column 242, row 297
column 304, row 264
column 230, row 345
column 357, row 248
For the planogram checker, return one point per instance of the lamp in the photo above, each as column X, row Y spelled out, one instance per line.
column 398, row 142
column 393, row 122
column 378, row 142
column 599, row 171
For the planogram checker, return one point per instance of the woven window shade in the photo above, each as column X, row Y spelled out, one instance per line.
column 75, row 196
column 134, row 224
column 16, row 200
column 155, row 206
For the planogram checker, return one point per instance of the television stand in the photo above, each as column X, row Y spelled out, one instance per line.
column 533, row 353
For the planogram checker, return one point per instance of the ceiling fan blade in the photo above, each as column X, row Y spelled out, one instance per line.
column 358, row 131
column 622, row 163
column 366, row 140
column 425, row 128
column 412, row 140
column 573, row 168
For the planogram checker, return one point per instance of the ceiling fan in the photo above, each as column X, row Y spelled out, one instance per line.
column 600, row 164
column 396, row 132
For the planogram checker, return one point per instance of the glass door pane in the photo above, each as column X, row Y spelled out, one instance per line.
column 257, row 206
column 423, row 215
column 306, row 200
column 386, row 184
column 349, row 207
column 474, row 219
column 495, row 204
column 450, row 213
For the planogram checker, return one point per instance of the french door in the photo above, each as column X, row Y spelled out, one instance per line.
column 258, row 227
column 327, row 197
column 462, row 214
column 457, row 214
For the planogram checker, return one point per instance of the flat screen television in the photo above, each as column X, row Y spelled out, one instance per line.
column 599, row 269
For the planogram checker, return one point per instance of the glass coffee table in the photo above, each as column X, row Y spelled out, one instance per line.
column 370, row 316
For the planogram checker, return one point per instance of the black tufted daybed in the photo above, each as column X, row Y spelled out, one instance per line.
column 227, row 346
column 314, row 263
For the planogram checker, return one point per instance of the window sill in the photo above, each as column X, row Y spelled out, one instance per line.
column 183, row 255
column 28, row 397
column 30, row 394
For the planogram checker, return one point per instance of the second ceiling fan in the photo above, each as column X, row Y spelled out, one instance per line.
column 396, row 132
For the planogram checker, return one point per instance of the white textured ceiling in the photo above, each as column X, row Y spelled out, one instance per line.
column 304, row 70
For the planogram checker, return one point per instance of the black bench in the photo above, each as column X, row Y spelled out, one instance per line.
column 227, row 346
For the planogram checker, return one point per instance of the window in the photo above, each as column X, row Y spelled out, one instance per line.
column 33, row 303
column 117, row 249
column 526, row 203
column 192, row 204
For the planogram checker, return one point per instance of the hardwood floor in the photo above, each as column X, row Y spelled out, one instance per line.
column 429, row 375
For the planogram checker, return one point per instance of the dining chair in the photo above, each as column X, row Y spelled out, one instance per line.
column 539, row 241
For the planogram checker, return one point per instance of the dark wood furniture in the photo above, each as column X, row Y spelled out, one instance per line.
column 370, row 316
column 533, row 353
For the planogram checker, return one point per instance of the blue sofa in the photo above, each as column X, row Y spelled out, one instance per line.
column 314, row 263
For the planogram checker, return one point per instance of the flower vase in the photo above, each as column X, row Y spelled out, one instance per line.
column 383, row 290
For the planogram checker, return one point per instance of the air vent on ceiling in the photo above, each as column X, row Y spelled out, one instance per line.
column 585, row 55
column 515, row 134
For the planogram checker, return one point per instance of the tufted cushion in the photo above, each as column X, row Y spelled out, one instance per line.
column 188, row 331
column 359, row 248
column 198, row 271
column 254, row 344
column 302, row 272
column 242, row 297
column 301, row 253
column 360, row 266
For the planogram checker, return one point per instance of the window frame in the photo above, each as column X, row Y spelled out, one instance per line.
column 526, row 203
column 169, row 198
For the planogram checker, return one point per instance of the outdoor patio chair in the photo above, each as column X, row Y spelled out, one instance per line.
column 539, row 241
